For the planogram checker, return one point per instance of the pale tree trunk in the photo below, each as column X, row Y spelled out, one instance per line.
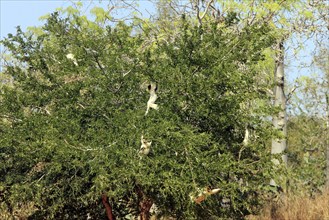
column 279, row 145
column 327, row 141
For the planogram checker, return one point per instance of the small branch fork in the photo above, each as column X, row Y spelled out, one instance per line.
column 200, row 17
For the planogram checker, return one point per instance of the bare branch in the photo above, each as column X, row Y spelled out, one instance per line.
column 198, row 13
column 208, row 5
column 291, row 92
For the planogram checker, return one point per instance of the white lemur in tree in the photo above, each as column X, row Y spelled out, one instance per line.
column 245, row 141
column 152, row 88
column 145, row 147
column 70, row 56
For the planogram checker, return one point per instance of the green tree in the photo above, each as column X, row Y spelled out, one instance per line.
column 309, row 126
column 306, row 152
column 73, row 118
column 321, row 61
column 289, row 20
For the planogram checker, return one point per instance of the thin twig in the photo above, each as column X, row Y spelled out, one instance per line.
column 291, row 93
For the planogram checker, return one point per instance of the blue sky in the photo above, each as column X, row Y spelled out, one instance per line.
column 26, row 13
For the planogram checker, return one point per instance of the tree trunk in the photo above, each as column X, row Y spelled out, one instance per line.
column 145, row 207
column 279, row 145
column 327, row 169
column 145, row 204
column 108, row 208
column 327, row 142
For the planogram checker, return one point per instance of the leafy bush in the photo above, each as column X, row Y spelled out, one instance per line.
column 72, row 119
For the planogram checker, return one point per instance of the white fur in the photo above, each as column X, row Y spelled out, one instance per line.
column 152, row 99
column 71, row 57
column 145, row 147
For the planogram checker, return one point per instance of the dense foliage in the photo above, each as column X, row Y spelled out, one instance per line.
column 307, row 153
column 71, row 129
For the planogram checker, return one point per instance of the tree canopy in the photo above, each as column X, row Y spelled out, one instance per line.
column 72, row 110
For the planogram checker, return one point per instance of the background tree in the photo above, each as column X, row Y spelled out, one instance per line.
column 289, row 20
column 308, row 127
column 321, row 61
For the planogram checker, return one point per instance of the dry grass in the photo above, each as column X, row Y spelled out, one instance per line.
column 297, row 208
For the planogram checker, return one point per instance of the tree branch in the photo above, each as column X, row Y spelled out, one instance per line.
column 291, row 93
column 208, row 5
column 108, row 208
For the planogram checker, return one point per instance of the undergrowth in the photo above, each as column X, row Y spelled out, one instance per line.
column 296, row 207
